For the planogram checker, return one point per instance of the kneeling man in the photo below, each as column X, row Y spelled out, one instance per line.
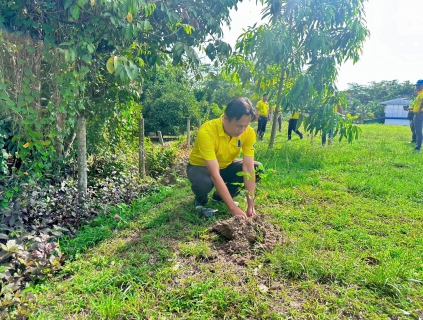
column 213, row 160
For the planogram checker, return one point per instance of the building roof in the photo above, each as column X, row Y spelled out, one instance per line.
column 399, row 101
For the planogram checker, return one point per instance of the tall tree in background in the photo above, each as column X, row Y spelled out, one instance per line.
column 295, row 56
column 168, row 100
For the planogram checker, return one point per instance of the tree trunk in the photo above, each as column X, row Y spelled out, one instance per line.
column 188, row 132
column 278, row 107
column 82, row 158
column 56, row 99
column 141, row 157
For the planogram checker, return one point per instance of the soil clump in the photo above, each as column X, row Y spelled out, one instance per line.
column 247, row 236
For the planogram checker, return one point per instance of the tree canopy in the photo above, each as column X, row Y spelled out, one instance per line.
column 296, row 55
column 60, row 60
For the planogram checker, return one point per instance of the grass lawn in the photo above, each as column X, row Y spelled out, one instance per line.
column 353, row 217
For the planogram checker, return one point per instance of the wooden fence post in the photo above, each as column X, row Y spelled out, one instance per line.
column 141, row 157
column 160, row 137
column 82, row 159
column 188, row 132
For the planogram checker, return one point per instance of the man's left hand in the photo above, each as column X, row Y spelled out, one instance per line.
column 250, row 212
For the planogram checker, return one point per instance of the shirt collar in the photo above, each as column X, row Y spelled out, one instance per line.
column 220, row 128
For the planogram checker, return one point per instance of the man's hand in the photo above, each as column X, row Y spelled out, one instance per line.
column 237, row 212
column 251, row 212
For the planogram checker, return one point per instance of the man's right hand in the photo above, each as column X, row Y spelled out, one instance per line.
column 238, row 212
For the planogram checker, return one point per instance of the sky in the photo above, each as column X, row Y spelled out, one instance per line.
column 394, row 50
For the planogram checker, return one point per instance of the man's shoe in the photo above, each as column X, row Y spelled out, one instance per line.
column 416, row 149
column 207, row 212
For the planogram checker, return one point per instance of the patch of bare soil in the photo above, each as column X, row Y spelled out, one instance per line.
column 247, row 237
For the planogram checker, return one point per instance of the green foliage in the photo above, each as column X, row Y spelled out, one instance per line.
column 22, row 264
column 168, row 101
column 159, row 158
column 295, row 62
column 58, row 66
column 352, row 215
column 215, row 111
column 115, row 218
column 220, row 89
column 7, row 146
column 364, row 100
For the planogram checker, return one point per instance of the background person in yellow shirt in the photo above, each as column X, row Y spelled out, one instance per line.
column 418, row 114
column 263, row 112
column 279, row 117
column 213, row 160
column 292, row 124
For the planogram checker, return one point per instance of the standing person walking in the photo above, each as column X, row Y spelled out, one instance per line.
column 263, row 111
column 410, row 116
column 279, row 115
column 292, row 124
column 213, row 160
column 418, row 114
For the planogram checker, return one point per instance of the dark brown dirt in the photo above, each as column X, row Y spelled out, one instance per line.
column 247, row 236
column 244, row 238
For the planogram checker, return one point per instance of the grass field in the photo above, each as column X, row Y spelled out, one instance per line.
column 353, row 216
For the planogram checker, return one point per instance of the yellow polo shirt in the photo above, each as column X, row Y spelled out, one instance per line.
column 295, row 115
column 213, row 143
column 263, row 108
column 280, row 109
column 418, row 102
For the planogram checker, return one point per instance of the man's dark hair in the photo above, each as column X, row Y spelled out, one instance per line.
column 239, row 107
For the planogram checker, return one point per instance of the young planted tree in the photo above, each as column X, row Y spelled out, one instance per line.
column 296, row 54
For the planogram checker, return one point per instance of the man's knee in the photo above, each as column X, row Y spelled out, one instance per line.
column 200, row 179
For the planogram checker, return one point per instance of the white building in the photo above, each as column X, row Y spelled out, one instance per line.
column 395, row 113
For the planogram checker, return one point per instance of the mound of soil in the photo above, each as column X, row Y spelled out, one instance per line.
column 248, row 235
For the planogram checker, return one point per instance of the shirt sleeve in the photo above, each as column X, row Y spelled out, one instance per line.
column 248, row 145
column 206, row 145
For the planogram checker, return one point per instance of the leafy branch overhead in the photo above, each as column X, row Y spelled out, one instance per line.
column 60, row 60
column 142, row 31
column 296, row 54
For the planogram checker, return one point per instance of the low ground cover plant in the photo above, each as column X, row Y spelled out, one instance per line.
column 36, row 216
